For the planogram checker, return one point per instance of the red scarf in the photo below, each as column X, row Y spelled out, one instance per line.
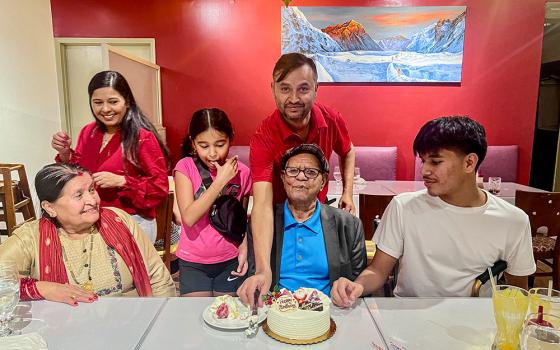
column 115, row 234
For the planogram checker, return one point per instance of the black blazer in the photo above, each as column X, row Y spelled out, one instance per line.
column 344, row 243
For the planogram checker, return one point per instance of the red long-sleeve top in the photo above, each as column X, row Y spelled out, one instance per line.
column 145, row 187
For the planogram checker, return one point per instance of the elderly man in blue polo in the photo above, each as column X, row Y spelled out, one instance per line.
column 313, row 244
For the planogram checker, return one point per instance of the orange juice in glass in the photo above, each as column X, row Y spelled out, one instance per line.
column 539, row 296
column 510, row 308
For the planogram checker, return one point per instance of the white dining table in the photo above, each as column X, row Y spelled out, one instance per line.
column 507, row 191
column 177, row 323
column 434, row 323
column 180, row 326
column 108, row 323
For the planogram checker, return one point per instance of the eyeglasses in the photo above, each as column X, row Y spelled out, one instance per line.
column 309, row 173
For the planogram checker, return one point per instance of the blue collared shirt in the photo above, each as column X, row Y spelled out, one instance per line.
column 304, row 256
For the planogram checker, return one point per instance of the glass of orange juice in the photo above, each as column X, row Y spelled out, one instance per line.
column 550, row 303
column 510, row 308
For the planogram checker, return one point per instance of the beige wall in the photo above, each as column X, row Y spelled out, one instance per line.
column 29, row 110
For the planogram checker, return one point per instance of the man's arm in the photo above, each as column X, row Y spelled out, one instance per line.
column 347, row 163
column 262, row 222
column 345, row 292
column 518, row 281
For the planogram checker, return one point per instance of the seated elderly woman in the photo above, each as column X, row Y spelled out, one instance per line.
column 77, row 250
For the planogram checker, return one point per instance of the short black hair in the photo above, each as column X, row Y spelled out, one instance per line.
column 289, row 62
column 308, row 148
column 457, row 133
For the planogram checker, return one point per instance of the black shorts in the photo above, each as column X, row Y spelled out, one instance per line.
column 195, row 277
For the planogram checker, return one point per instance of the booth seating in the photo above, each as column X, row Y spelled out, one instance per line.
column 375, row 163
column 242, row 152
column 500, row 161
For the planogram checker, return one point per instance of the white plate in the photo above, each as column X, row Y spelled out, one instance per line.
column 230, row 324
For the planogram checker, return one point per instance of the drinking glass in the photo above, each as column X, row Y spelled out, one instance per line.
column 510, row 308
column 540, row 335
column 9, row 294
column 494, row 184
column 337, row 176
column 539, row 296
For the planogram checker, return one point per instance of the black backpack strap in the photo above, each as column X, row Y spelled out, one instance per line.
column 204, row 173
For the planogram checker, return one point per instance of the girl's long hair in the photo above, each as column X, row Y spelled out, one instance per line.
column 133, row 120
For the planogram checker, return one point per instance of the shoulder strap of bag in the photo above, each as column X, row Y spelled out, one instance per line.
column 204, row 173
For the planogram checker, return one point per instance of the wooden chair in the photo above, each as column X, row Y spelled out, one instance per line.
column 543, row 210
column 15, row 197
column 372, row 206
column 499, row 267
column 164, row 215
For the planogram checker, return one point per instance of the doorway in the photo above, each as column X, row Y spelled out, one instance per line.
column 545, row 164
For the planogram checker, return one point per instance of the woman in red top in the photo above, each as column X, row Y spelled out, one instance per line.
column 122, row 149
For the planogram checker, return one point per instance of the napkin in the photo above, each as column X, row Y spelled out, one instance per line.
column 30, row 341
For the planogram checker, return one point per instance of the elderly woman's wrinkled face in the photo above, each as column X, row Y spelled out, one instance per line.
column 309, row 181
column 78, row 204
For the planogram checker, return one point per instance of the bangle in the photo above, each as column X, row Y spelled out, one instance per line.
column 28, row 289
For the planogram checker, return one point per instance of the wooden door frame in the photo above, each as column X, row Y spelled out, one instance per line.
column 62, row 68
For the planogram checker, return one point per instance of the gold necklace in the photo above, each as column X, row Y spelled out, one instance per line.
column 106, row 138
column 88, row 284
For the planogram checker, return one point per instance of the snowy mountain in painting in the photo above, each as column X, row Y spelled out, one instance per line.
column 348, row 54
column 395, row 43
column 447, row 35
column 298, row 35
column 388, row 66
column 351, row 36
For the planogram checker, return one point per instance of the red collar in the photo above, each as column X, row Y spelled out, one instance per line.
column 316, row 122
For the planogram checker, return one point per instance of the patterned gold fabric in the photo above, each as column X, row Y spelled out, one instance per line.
column 110, row 275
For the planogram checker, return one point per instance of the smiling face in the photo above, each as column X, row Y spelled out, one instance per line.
column 109, row 107
column 446, row 172
column 295, row 94
column 77, row 207
column 211, row 146
column 300, row 189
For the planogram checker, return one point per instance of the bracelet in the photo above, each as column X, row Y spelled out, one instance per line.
column 28, row 289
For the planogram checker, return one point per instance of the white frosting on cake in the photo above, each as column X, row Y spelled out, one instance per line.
column 300, row 324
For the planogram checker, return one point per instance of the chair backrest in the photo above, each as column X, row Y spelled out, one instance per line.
column 543, row 210
column 242, row 152
column 164, row 215
column 375, row 163
column 499, row 161
column 372, row 205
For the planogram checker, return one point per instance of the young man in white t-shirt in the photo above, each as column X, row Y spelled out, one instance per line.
column 449, row 233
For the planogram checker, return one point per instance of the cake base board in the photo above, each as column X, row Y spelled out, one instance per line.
column 319, row 339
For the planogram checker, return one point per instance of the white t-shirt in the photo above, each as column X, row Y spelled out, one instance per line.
column 443, row 248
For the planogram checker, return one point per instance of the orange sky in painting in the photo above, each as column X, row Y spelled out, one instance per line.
column 410, row 19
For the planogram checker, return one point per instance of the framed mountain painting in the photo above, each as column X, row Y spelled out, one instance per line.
column 378, row 44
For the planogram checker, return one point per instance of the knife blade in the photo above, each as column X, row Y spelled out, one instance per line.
column 253, row 328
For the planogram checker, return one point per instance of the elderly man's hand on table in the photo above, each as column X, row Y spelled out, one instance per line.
column 260, row 281
column 65, row 293
column 344, row 292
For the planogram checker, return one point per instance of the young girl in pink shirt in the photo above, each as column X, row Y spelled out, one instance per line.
column 209, row 264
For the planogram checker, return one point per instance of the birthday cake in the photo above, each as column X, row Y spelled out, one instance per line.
column 303, row 315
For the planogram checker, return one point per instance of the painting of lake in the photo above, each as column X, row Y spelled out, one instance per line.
column 378, row 44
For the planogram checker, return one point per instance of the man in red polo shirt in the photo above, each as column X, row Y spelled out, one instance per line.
column 297, row 120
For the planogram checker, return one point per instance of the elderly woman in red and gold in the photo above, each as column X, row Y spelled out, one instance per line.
column 78, row 251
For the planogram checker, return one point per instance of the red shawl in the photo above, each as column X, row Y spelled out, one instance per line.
column 115, row 234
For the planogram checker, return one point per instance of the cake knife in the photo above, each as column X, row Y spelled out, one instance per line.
column 253, row 328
